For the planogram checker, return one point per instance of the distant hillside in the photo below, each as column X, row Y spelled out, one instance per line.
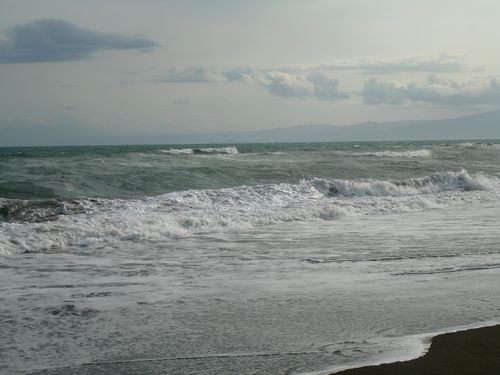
column 478, row 126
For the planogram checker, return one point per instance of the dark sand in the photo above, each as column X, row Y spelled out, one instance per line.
column 472, row 352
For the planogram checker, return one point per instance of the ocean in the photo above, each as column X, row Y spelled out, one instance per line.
column 297, row 258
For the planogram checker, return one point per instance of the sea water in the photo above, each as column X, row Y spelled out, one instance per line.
column 243, row 259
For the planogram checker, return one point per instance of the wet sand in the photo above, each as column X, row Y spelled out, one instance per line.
column 471, row 352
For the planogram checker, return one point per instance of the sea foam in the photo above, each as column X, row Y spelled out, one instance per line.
column 100, row 222
column 472, row 145
column 433, row 184
column 232, row 150
column 424, row 153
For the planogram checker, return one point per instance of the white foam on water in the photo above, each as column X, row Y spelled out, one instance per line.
column 489, row 145
column 465, row 145
column 399, row 349
column 433, row 184
column 232, row 150
column 180, row 151
column 102, row 222
column 424, row 153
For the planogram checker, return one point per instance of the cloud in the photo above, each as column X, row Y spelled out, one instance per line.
column 326, row 88
column 50, row 40
column 287, row 85
column 194, row 74
column 435, row 90
column 279, row 83
column 443, row 63
column 207, row 74
column 314, row 85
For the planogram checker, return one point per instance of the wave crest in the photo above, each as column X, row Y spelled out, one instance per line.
column 489, row 145
column 101, row 222
column 433, row 184
column 232, row 150
column 424, row 153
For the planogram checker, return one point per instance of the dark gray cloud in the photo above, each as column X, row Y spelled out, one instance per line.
column 50, row 40
column 435, row 90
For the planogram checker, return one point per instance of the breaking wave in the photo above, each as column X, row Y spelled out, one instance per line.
column 196, row 151
column 51, row 225
column 489, row 145
column 424, row 153
column 433, row 184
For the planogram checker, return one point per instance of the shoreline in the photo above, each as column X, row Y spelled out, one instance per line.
column 471, row 351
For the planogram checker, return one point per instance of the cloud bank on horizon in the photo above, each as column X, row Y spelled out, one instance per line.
column 435, row 90
column 243, row 66
column 309, row 82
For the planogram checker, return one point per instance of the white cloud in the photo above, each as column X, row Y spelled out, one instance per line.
column 194, row 74
column 287, row 85
column 435, row 90
column 279, row 83
column 207, row 74
column 314, row 85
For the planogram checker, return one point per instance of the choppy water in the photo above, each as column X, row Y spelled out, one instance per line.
column 248, row 259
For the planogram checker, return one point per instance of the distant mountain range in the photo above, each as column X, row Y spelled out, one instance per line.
column 478, row 126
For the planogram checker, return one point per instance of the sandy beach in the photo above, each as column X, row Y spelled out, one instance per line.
column 471, row 352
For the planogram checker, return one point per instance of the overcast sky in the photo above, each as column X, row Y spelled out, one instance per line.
column 124, row 67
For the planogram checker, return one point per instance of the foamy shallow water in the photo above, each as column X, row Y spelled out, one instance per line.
column 280, row 273
column 294, row 297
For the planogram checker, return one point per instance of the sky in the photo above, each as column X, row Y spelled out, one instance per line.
column 112, row 70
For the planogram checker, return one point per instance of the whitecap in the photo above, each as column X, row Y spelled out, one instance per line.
column 424, row 153
column 101, row 222
column 232, row 150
